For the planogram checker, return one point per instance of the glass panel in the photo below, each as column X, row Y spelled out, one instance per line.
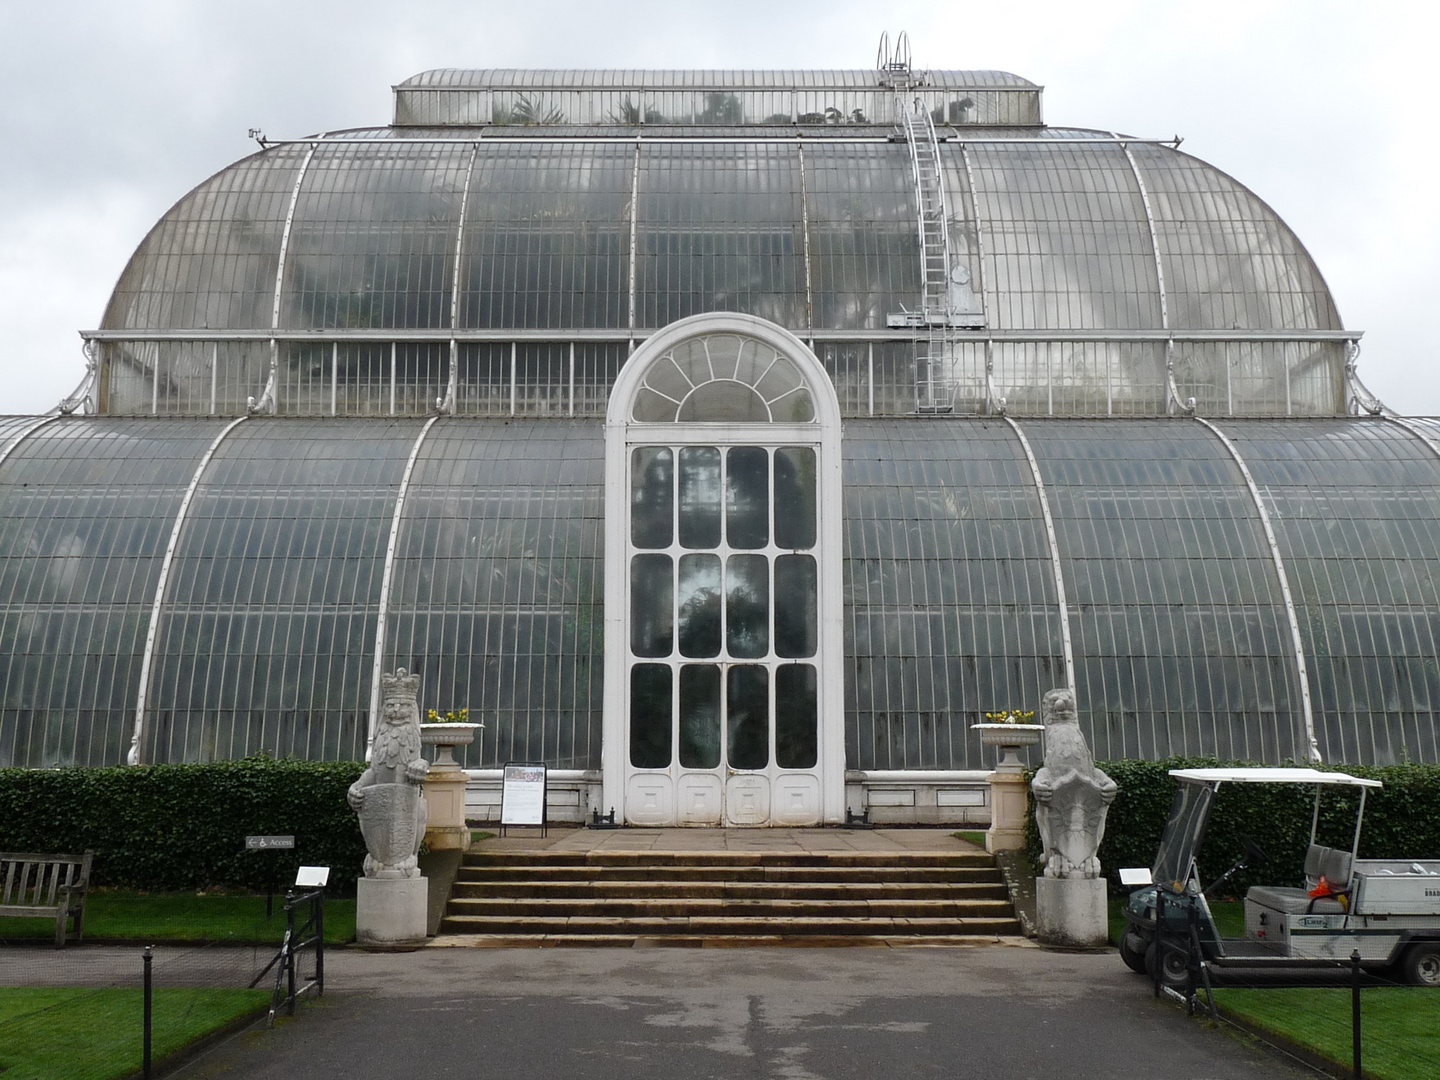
column 747, row 606
column 730, row 402
column 699, row 605
column 650, row 716
column 651, row 498
column 795, row 606
column 651, row 606
column 699, row 497
column 748, row 716
column 796, row 743
column 700, row 716
column 499, row 581
column 794, row 497
column 747, row 497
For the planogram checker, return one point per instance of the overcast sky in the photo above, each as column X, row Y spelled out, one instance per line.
column 113, row 111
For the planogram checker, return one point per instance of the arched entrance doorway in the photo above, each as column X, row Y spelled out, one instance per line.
column 723, row 701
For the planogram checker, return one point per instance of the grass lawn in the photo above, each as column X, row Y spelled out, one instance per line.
column 1229, row 917
column 151, row 918
column 1399, row 1026
column 972, row 836
column 66, row 1033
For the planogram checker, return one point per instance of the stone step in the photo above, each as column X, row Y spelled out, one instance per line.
column 696, row 941
column 521, row 887
column 730, row 925
column 729, row 858
column 666, row 872
column 689, row 907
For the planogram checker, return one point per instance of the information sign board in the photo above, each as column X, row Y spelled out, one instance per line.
column 269, row 843
column 522, row 794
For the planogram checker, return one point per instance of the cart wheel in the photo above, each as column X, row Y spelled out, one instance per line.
column 1132, row 950
column 1176, row 970
column 1421, row 965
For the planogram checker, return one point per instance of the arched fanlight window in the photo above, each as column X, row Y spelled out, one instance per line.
column 723, row 378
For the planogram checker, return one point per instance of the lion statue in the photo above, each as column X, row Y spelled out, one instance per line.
column 1072, row 796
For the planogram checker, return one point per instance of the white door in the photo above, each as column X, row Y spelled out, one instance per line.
column 729, row 711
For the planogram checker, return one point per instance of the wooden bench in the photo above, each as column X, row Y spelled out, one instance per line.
column 46, row 886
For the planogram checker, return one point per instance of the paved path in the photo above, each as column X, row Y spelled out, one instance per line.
column 604, row 1014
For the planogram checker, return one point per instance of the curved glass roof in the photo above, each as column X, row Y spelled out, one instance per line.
column 1056, row 236
column 267, row 630
column 375, row 270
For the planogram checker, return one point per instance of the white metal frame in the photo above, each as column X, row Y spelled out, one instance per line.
column 157, row 606
column 387, row 577
column 824, row 435
column 1052, row 542
column 1313, row 749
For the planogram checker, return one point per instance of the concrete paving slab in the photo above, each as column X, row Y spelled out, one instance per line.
column 801, row 841
column 803, row 1014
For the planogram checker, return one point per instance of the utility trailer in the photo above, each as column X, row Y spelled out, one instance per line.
column 1387, row 910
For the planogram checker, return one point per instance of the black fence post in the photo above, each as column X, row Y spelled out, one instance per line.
column 319, row 902
column 149, row 1015
column 1355, row 1010
column 290, row 956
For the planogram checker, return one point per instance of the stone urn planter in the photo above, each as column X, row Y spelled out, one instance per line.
column 445, row 785
column 1009, row 738
column 445, row 738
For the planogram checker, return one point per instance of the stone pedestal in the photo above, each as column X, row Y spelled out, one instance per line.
column 1009, row 801
column 445, row 828
column 390, row 913
column 1070, row 913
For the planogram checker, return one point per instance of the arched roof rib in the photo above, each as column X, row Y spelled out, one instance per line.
column 268, row 624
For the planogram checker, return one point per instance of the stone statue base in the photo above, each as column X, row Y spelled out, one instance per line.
column 390, row 913
column 1070, row 913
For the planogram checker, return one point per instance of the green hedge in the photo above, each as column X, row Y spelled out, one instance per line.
column 169, row 827
column 1402, row 820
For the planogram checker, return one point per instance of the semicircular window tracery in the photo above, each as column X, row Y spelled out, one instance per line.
column 723, row 378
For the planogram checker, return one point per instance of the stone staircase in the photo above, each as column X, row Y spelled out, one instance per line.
column 727, row 897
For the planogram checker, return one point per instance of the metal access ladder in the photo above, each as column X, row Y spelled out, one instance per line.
column 933, row 320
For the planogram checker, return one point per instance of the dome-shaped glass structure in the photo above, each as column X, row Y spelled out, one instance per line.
column 927, row 408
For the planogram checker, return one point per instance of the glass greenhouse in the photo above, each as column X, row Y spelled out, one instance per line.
column 731, row 441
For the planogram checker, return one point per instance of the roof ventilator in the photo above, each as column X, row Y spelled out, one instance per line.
column 937, row 316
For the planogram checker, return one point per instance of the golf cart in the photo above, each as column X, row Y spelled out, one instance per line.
column 1387, row 910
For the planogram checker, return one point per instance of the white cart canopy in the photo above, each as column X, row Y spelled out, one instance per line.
column 1271, row 776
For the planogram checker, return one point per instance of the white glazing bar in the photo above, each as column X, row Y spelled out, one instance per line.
column 214, row 375
column 1313, row 750
column 387, row 577
column 1054, row 545
column 36, row 426
column 334, row 377
column 1150, row 223
column 392, row 378
column 870, row 378
column 979, row 236
column 571, row 409
column 514, row 363
column 634, row 236
column 155, row 384
column 452, row 377
column 805, row 237
column 285, row 234
column 147, row 659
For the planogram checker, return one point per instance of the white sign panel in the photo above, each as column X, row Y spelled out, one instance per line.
column 522, row 794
